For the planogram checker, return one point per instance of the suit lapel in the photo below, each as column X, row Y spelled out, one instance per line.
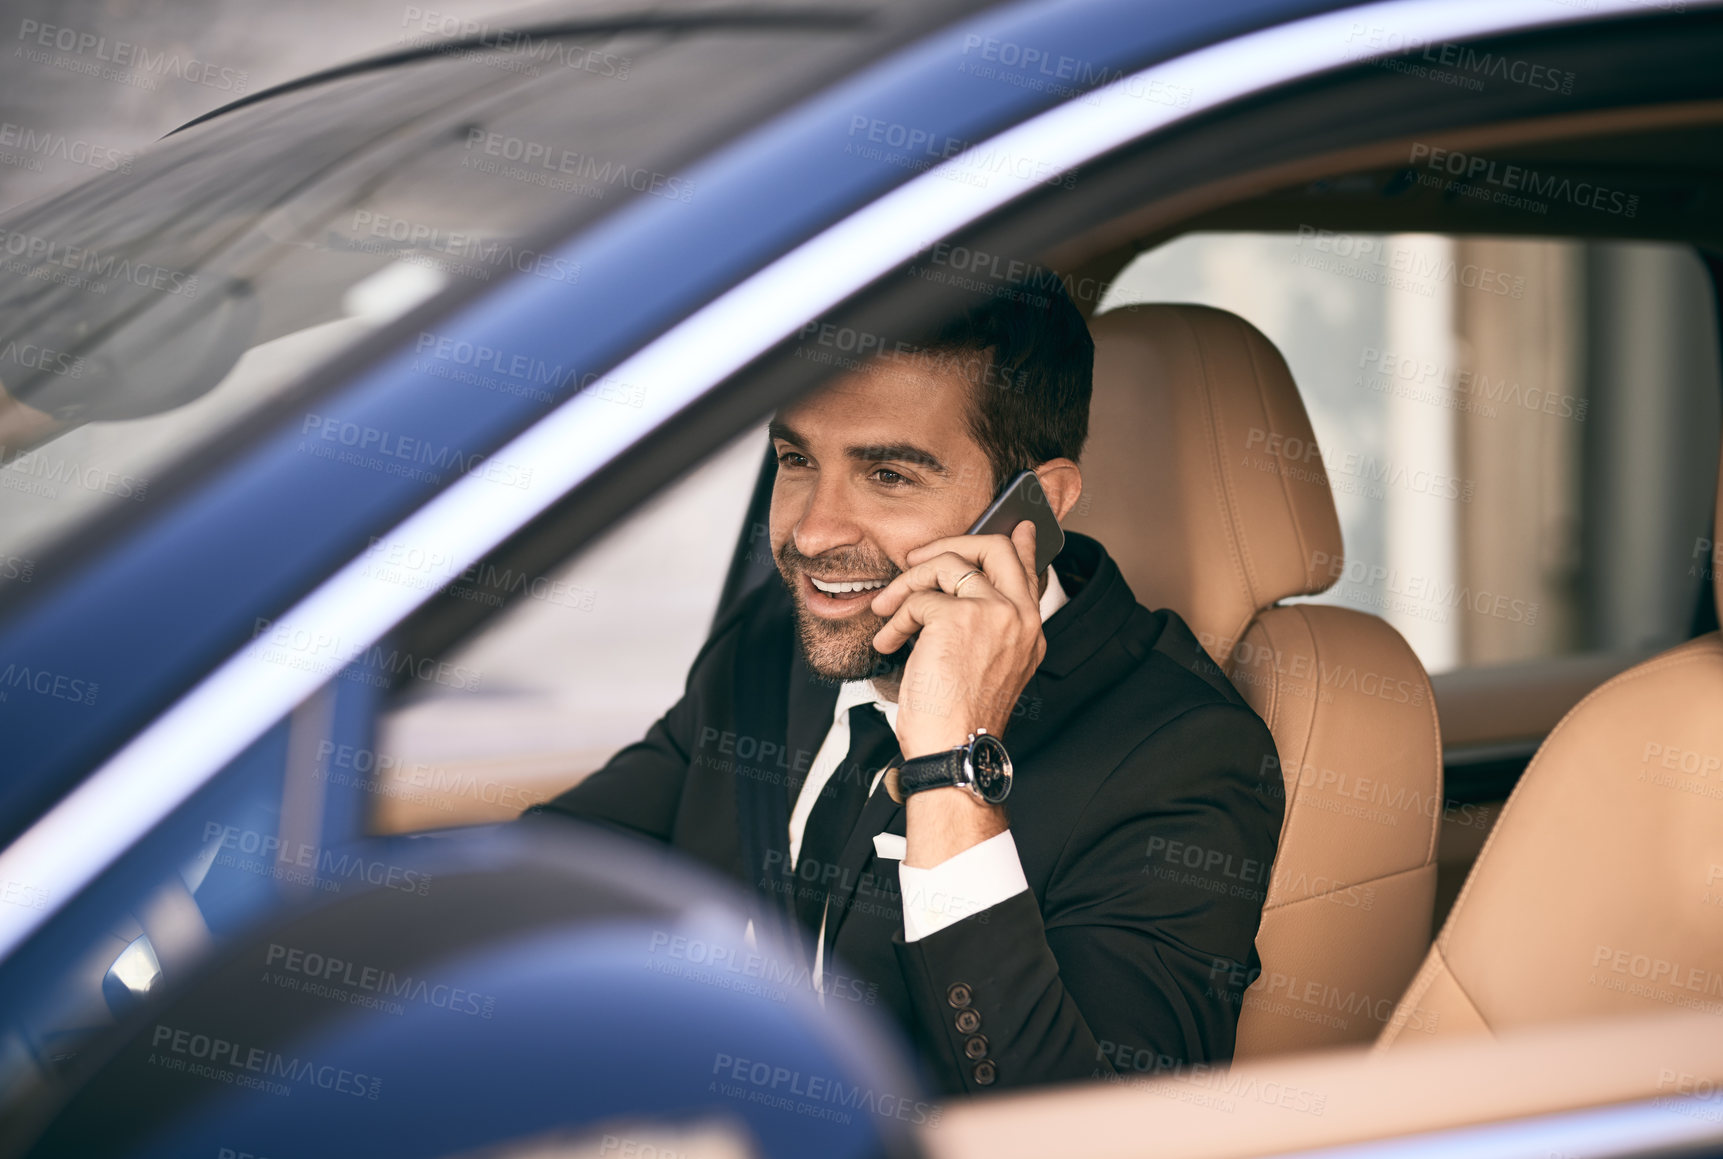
column 1075, row 669
column 762, row 816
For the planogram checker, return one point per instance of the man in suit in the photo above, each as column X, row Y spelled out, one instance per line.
column 1105, row 910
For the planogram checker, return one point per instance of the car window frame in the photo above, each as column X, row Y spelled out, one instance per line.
column 112, row 808
column 1486, row 774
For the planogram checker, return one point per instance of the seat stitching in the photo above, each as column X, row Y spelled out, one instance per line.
column 1381, row 877
column 1432, row 965
column 1307, row 616
column 1274, row 697
column 1441, row 773
column 1436, row 743
column 1309, row 735
column 1461, row 987
column 1238, row 631
column 1240, row 555
column 1304, row 557
column 1417, row 666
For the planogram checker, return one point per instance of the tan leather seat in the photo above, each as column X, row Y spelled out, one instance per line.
column 1203, row 480
column 1600, row 890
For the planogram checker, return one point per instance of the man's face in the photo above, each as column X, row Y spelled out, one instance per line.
column 877, row 464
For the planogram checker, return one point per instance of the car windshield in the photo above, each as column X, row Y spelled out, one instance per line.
column 151, row 309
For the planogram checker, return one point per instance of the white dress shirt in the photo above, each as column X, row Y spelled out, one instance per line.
column 967, row 883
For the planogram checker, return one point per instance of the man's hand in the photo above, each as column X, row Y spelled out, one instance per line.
column 973, row 657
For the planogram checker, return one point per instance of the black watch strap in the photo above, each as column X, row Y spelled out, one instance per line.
column 990, row 780
column 935, row 771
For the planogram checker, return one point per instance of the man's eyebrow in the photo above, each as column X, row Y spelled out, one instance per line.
column 868, row 452
column 898, row 453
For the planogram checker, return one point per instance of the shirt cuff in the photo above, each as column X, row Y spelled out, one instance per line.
column 960, row 886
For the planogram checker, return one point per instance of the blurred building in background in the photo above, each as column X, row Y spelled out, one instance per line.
column 1451, row 440
column 87, row 83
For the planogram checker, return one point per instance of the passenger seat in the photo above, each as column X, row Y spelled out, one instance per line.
column 1203, row 480
column 1600, row 890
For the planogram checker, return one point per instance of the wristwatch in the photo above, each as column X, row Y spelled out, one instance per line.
column 980, row 765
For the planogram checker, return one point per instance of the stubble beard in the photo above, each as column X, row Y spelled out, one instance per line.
column 840, row 650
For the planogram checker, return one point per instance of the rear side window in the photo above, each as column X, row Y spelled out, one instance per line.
column 1521, row 434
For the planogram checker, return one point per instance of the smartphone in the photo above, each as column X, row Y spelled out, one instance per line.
column 1023, row 499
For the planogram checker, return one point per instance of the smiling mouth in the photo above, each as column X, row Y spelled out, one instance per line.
column 847, row 587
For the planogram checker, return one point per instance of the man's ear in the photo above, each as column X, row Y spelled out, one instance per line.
column 1062, row 480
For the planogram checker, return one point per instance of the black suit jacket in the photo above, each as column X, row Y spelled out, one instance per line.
column 1146, row 808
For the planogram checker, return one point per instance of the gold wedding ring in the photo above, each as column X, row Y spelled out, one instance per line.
column 957, row 588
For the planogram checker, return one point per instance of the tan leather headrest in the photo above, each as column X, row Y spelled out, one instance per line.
column 1202, row 477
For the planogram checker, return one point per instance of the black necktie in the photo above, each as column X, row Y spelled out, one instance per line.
column 834, row 816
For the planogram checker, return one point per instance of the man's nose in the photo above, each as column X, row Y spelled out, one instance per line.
column 828, row 521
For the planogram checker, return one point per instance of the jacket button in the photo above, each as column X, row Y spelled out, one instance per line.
column 975, row 1046
column 968, row 1022
column 958, row 995
column 984, row 1074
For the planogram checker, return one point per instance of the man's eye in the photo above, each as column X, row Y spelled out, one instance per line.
column 889, row 477
column 792, row 459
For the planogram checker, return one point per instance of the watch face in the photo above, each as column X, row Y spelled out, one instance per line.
column 991, row 766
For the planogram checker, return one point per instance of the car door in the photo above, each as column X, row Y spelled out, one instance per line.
column 589, row 460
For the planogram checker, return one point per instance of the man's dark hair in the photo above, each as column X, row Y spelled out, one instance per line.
column 1030, row 400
